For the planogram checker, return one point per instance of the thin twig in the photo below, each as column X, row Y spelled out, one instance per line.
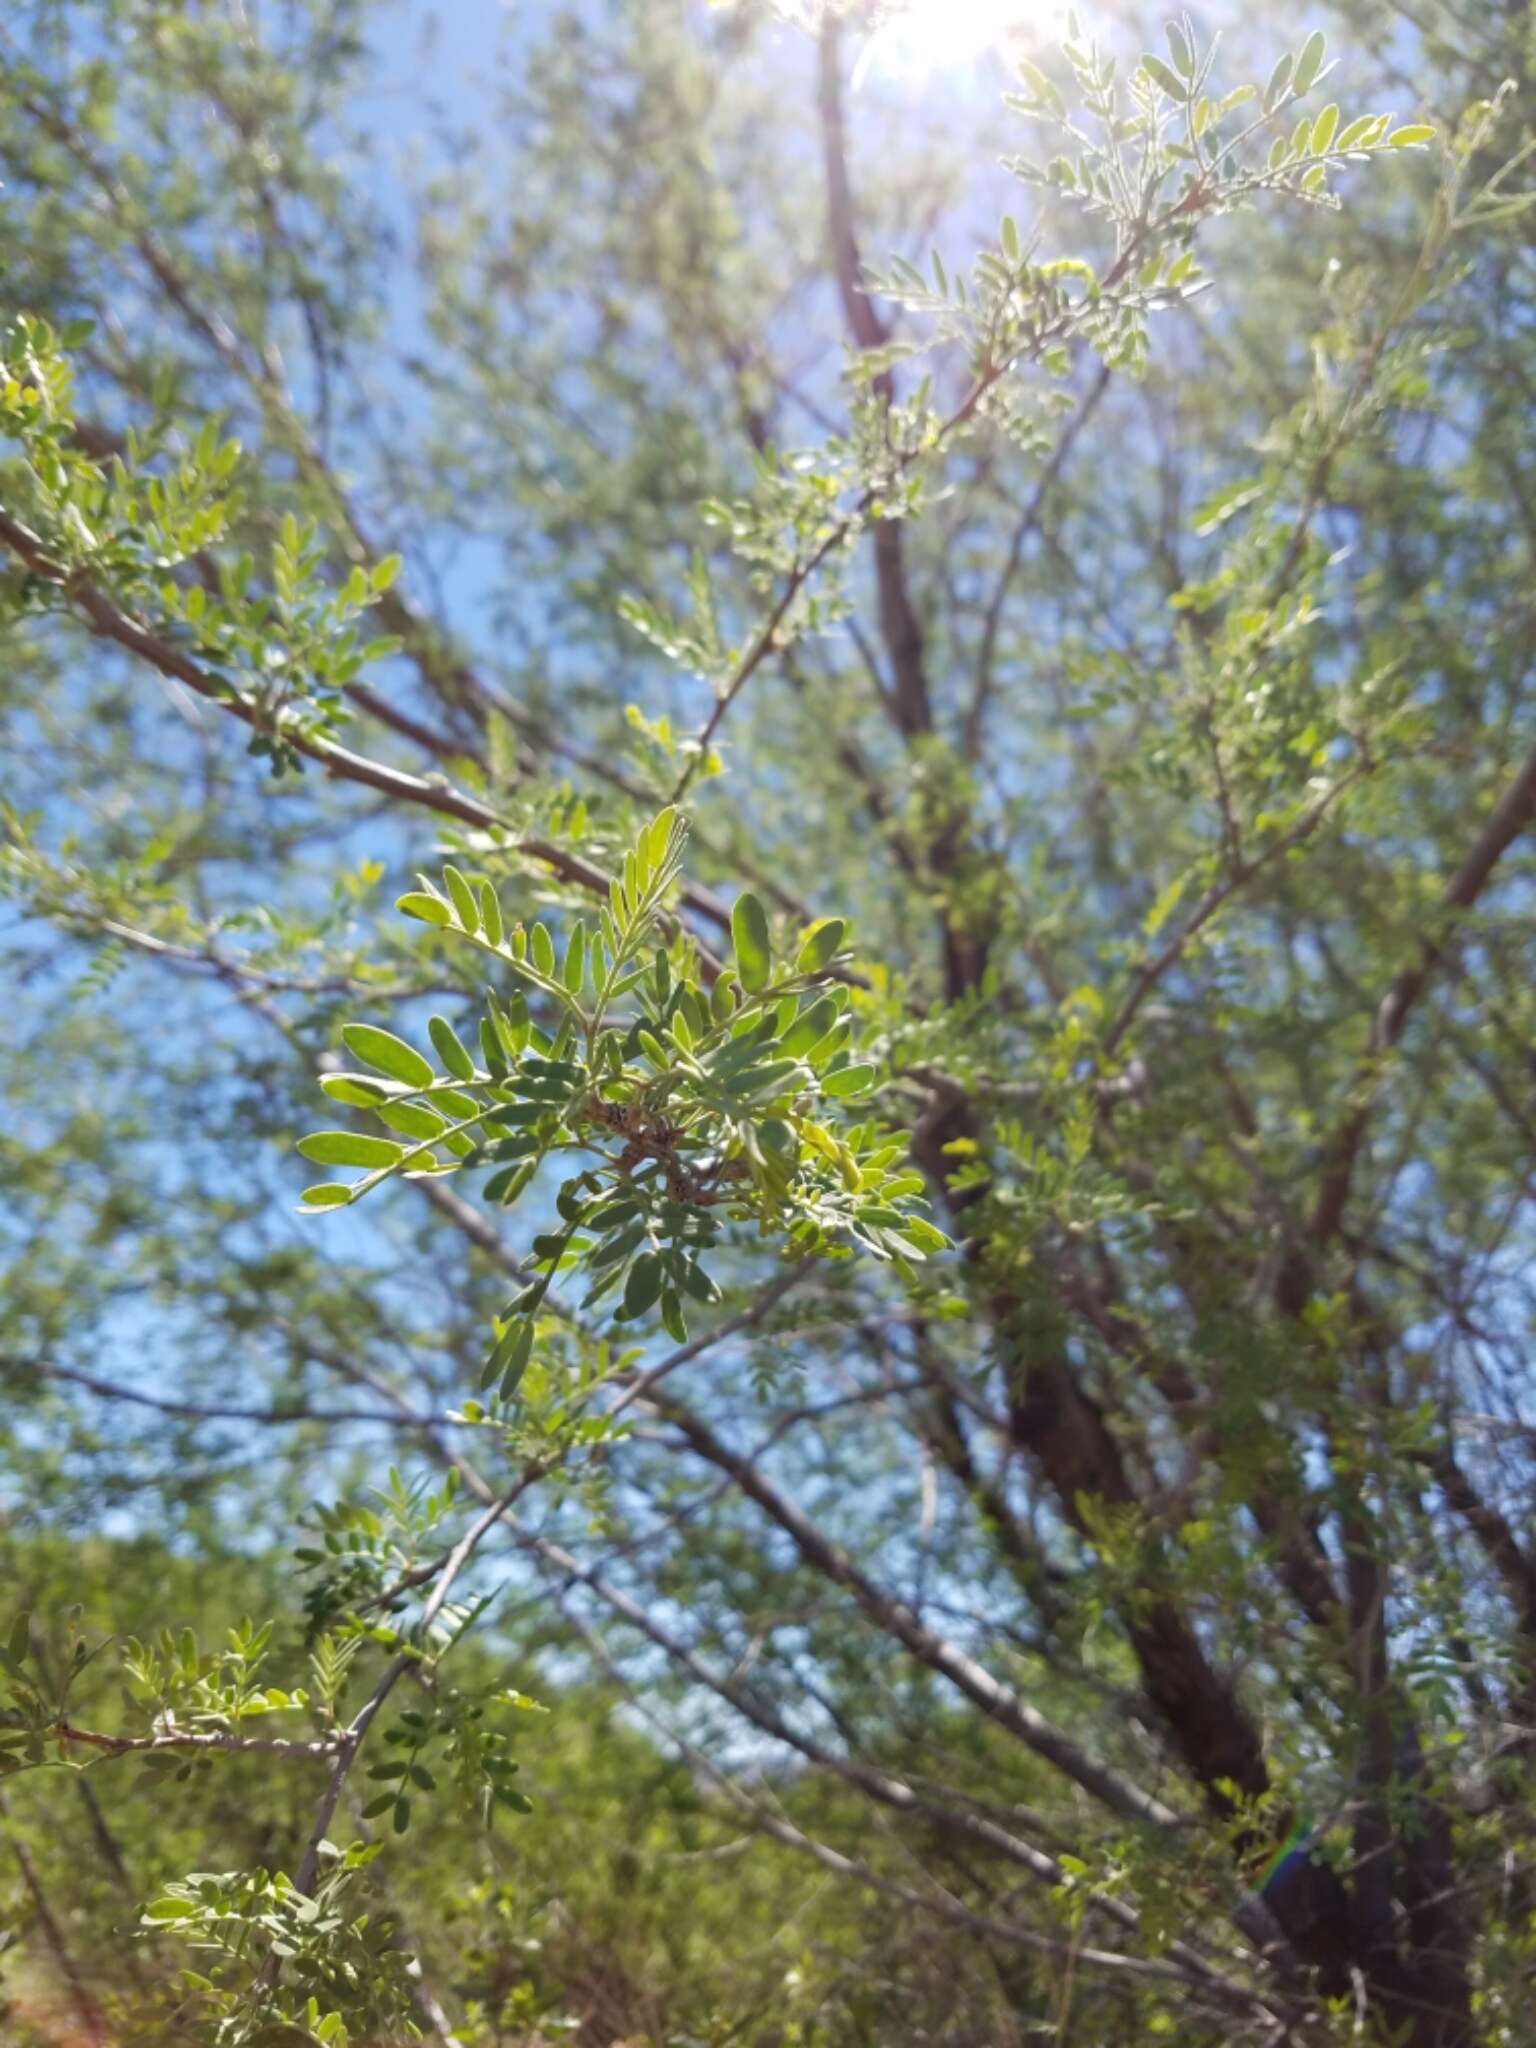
column 197, row 1411
column 190, row 1739
column 109, row 621
column 351, row 1740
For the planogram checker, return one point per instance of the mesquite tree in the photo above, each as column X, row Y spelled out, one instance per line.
column 906, row 875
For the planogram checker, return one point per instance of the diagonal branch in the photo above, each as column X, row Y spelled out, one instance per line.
column 894, row 1618
column 1496, row 1539
column 1510, row 817
column 1029, row 519
column 936, row 1899
column 351, row 1740
column 877, row 1784
column 1237, row 877
column 109, row 621
column 198, row 1411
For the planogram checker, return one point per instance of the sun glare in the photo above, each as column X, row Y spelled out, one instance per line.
column 935, row 35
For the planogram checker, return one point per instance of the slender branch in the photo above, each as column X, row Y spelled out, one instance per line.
column 642, row 1386
column 935, row 1900
column 1029, row 519
column 238, row 973
column 109, row 621
column 197, row 1411
column 843, row 530
column 877, row 1784
column 1237, row 878
column 1510, row 817
column 351, row 1740
column 422, row 643
column 175, row 1738
column 760, row 648
column 1120, row 1794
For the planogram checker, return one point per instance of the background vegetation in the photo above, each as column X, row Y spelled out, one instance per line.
column 1044, row 1549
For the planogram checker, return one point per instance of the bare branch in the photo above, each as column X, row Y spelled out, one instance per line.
column 1029, row 519
column 1120, row 1794
column 198, row 1411
column 1509, row 818
column 878, row 1784
column 1238, row 876
column 933, row 1900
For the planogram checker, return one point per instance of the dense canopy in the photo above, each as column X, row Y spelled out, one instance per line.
column 769, row 1103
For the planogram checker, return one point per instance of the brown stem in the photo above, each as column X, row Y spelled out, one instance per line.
column 88, row 2011
column 110, row 622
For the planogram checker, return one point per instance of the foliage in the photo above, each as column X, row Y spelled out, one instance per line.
column 968, row 1338
column 693, row 1099
column 330, row 1963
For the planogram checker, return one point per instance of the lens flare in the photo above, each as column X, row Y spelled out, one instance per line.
column 936, row 35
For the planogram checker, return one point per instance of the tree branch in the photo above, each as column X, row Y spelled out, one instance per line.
column 1029, row 519
column 899, row 626
column 110, row 622
column 1509, row 818
column 1120, row 1794
column 936, row 1900
column 351, row 1740
column 197, row 1411
column 1237, row 878
column 132, row 1745
column 879, row 1785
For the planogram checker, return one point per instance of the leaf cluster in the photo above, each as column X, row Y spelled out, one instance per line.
column 702, row 1101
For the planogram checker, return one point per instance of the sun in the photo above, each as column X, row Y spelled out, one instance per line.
column 921, row 36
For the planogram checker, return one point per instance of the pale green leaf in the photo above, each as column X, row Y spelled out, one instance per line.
column 390, row 1055
column 349, row 1148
